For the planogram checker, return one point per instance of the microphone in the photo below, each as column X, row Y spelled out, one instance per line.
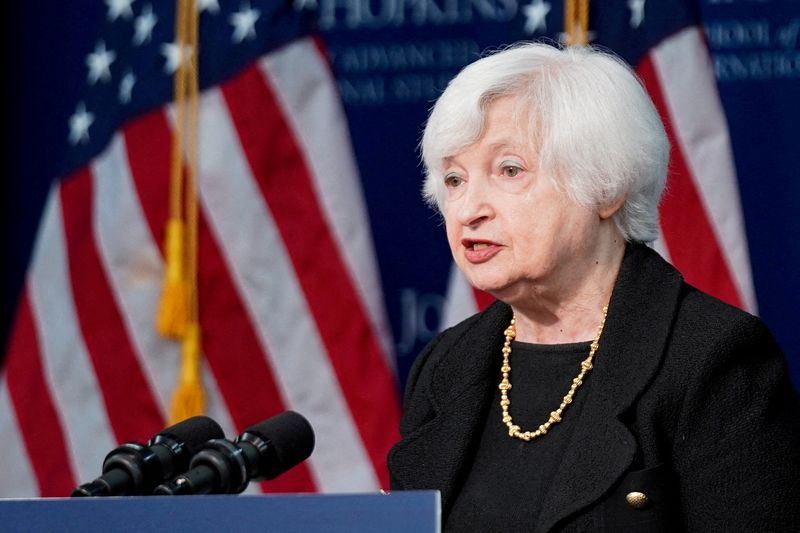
column 263, row 451
column 134, row 468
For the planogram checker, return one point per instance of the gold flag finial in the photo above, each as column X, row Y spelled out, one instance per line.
column 576, row 22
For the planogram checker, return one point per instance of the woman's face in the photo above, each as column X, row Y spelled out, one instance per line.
column 509, row 228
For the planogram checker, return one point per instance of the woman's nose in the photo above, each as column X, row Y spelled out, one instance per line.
column 476, row 205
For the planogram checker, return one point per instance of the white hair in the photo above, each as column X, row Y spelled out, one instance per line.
column 595, row 129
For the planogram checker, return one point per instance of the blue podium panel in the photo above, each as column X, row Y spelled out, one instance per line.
column 417, row 511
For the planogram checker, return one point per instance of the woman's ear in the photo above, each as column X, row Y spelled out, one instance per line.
column 609, row 210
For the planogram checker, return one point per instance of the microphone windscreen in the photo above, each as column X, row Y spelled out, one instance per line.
column 291, row 438
column 192, row 432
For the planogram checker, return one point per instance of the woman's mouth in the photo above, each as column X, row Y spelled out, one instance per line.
column 479, row 251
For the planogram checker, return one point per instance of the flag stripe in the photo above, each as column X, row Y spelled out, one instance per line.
column 66, row 366
column 459, row 302
column 147, row 141
column 119, row 374
column 268, row 285
column 282, row 176
column 690, row 238
column 246, row 380
column 314, row 114
column 483, row 299
column 19, row 478
column 660, row 245
column 227, row 331
column 153, row 199
column 702, row 132
column 134, row 267
column 39, row 423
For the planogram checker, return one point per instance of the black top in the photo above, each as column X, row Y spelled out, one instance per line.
column 519, row 472
column 688, row 402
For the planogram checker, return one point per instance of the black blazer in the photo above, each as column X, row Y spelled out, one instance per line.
column 690, row 404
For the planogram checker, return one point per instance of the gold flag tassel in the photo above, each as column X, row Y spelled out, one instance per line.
column 576, row 22
column 188, row 399
column 173, row 308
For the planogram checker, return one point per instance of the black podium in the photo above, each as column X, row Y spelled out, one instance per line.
column 404, row 511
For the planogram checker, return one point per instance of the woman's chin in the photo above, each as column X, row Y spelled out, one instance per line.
column 504, row 290
column 496, row 288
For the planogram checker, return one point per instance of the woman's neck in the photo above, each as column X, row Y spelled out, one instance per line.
column 570, row 309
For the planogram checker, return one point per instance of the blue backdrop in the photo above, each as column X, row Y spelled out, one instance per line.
column 391, row 59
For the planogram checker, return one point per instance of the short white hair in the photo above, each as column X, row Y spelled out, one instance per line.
column 590, row 120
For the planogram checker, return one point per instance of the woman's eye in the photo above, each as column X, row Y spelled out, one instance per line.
column 452, row 180
column 510, row 170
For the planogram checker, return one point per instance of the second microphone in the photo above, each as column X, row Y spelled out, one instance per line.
column 263, row 451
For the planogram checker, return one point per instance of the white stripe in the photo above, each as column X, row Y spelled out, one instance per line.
column 309, row 97
column 459, row 303
column 135, row 271
column 133, row 267
column 19, row 480
column 66, row 364
column 260, row 268
column 690, row 91
column 660, row 245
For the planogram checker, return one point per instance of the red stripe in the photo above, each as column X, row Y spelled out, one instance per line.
column 230, row 344
column 282, row 175
column 148, row 143
column 235, row 356
column 131, row 406
column 482, row 299
column 693, row 246
column 37, row 415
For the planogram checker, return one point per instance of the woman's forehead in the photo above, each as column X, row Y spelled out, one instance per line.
column 506, row 121
column 506, row 125
column 499, row 136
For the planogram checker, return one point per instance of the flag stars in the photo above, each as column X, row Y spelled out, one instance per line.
column 175, row 55
column 536, row 16
column 212, row 6
column 637, row 12
column 143, row 26
column 119, row 8
column 79, row 124
column 244, row 23
column 99, row 63
column 126, row 87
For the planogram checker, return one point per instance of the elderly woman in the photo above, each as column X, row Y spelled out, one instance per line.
column 601, row 392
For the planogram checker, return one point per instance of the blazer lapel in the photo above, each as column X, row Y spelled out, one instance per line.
column 640, row 316
column 434, row 456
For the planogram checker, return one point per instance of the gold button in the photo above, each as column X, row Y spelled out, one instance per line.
column 637, row 500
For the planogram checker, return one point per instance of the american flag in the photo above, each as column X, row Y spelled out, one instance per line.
column 702, row 228
column 290, row 301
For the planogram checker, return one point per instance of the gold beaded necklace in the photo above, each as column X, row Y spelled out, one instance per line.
column 514, row 430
